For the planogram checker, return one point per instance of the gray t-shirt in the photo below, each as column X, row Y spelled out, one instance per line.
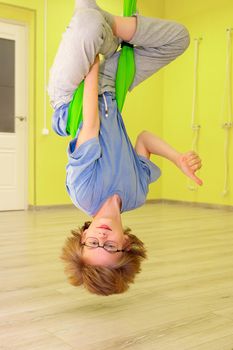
column 108, row 165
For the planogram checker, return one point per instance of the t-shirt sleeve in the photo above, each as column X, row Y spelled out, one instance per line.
column 59, row 120
column 152, row 170
column 81, row 168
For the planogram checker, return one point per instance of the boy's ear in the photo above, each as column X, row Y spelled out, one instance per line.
column 83, row 234
column 127, row 244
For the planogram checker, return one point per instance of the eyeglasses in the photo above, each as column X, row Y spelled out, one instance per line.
column 109, row 246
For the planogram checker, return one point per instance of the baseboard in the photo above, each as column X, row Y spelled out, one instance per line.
column 49, row 207
column 190, row 204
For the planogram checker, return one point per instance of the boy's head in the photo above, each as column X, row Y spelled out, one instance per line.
column 103, row 257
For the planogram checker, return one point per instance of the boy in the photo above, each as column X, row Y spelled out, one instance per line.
column 105, row 174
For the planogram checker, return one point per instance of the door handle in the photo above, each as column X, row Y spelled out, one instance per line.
column 21, row 118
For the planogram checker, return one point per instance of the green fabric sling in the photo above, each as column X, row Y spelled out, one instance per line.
column 124, row 78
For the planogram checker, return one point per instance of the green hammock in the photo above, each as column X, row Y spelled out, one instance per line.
column 124, row 78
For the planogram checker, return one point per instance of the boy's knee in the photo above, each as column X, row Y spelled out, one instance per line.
column 185, row 38
column 90, row 24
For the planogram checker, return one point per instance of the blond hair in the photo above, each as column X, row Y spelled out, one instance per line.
column 102, row 280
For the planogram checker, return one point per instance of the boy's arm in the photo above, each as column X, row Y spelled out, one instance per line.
column 188, row 163
column 91, row 122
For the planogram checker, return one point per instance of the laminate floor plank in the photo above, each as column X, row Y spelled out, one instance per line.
column 182, row 300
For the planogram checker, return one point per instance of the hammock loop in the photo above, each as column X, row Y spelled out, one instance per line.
column 124, row 78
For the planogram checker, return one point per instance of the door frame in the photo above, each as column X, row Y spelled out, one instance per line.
column 26, row 144
column 27, row 18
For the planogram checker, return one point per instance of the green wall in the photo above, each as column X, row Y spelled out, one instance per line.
column 163, row 102
column 208, row 20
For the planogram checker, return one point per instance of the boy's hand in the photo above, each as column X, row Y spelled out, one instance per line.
column 189, row 163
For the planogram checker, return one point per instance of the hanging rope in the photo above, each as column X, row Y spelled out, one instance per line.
column 227, row 102
column 194, row 125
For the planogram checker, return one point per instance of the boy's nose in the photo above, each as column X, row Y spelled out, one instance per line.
column 102, row 234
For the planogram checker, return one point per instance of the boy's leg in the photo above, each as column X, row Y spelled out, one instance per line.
column 157, row 43
column 87, row 35
column 80, row 4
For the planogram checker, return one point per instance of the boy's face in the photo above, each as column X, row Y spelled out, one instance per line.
column 104, row 231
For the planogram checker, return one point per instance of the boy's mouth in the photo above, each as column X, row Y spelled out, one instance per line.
column 106, row 227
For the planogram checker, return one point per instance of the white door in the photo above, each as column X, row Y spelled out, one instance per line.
column 13, row 116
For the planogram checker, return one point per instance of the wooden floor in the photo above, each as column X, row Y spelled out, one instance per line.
column 183, row 299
